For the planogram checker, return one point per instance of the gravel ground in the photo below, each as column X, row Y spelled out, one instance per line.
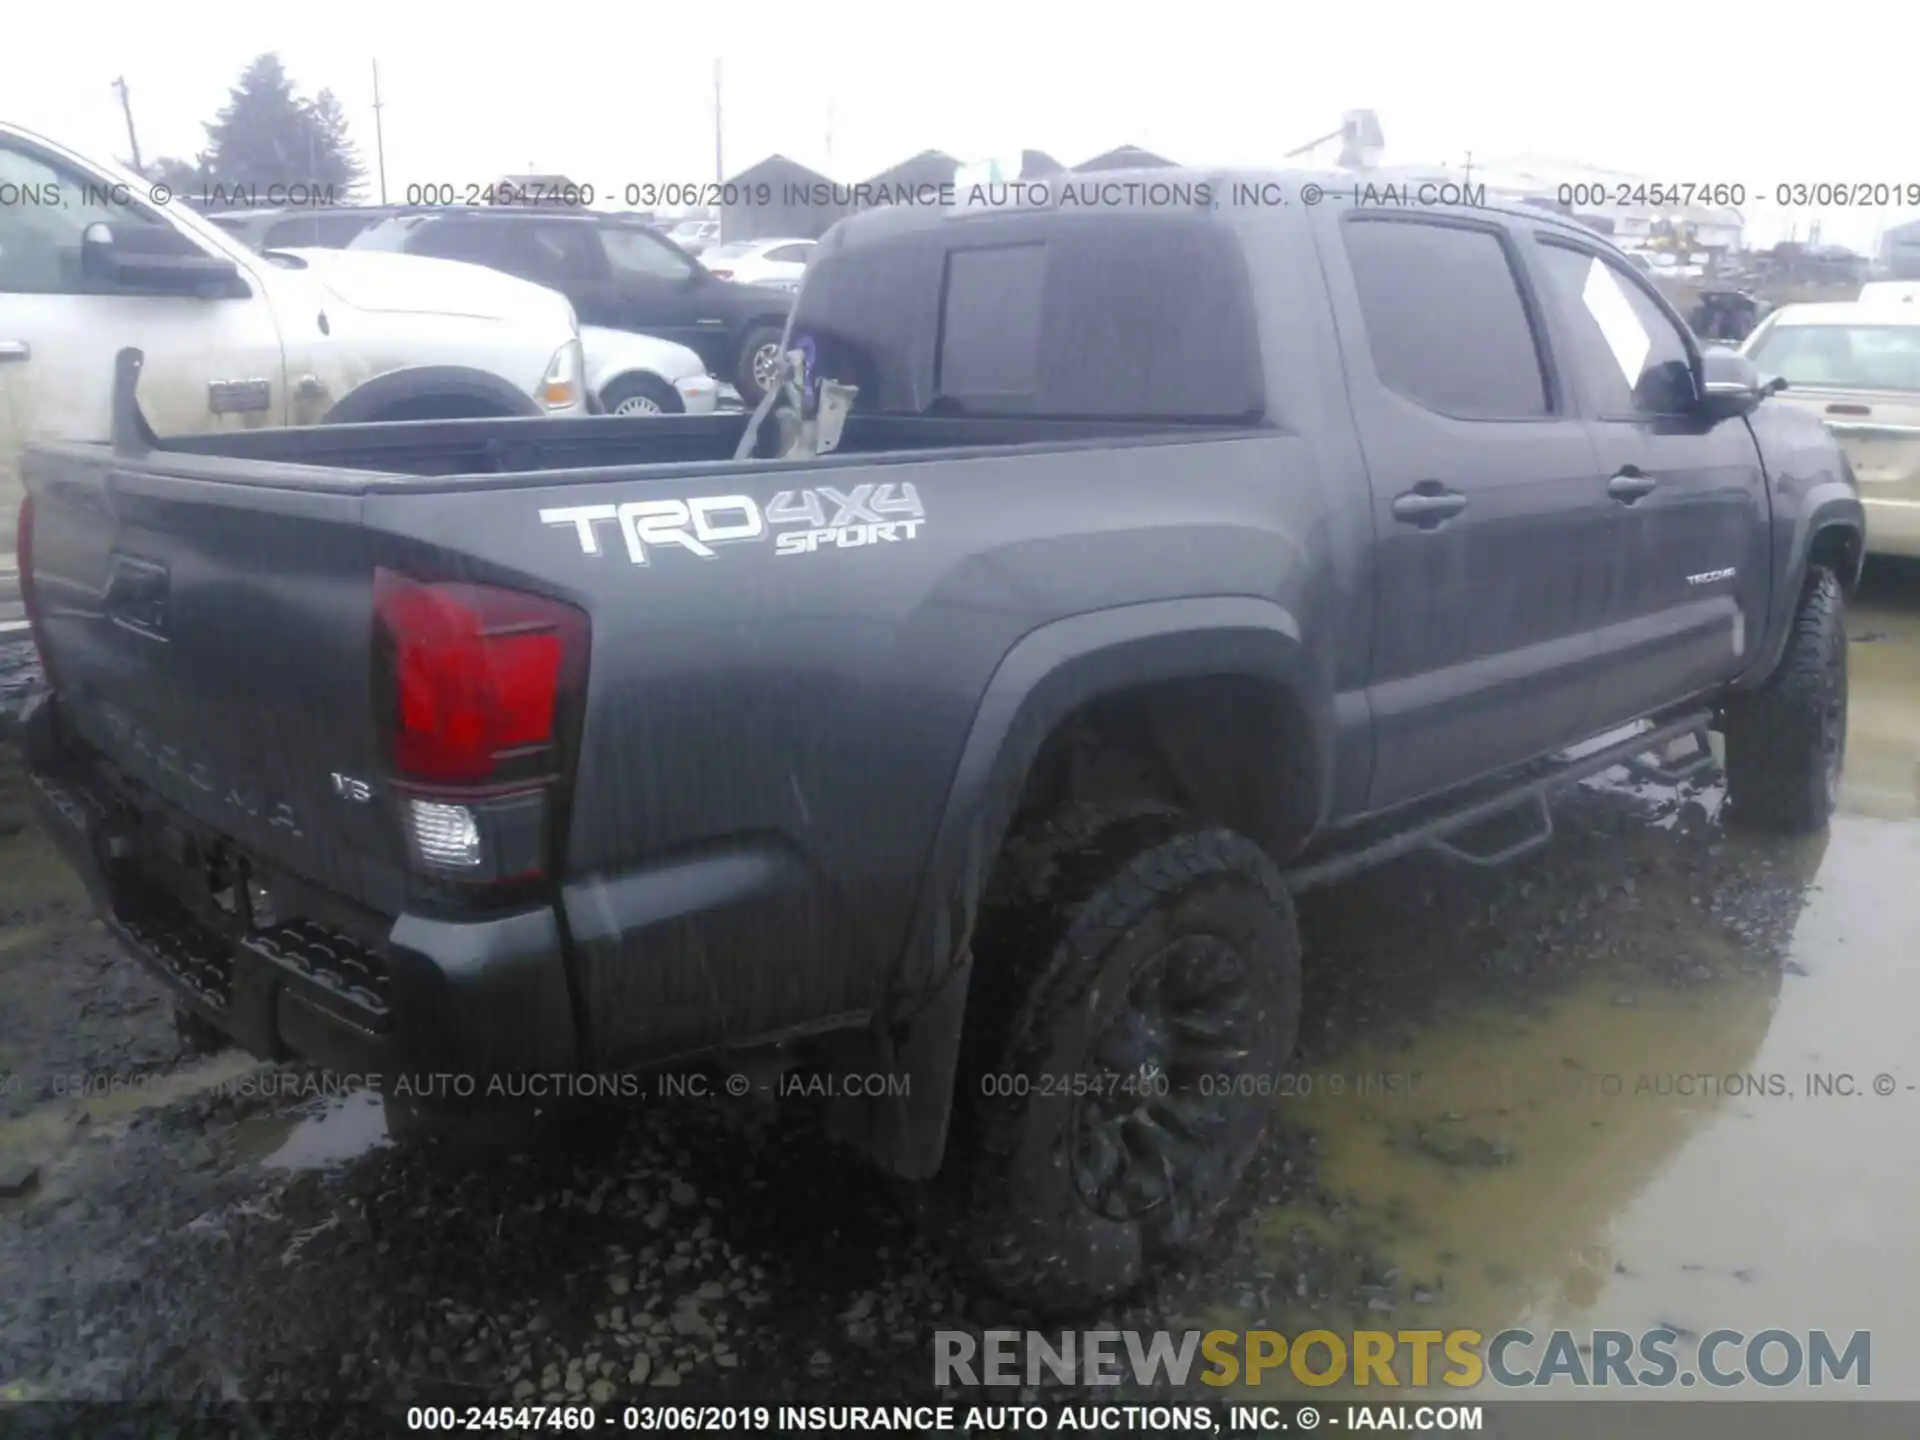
column 19, row 675
column 681, row 1247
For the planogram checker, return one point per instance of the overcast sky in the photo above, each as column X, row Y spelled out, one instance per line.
column 624, row 93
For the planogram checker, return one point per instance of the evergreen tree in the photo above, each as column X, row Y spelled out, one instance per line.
column 339, row 159
column 184, row 177
column 267, row 135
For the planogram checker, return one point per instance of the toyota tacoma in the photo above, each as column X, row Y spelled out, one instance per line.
column 1089, row 582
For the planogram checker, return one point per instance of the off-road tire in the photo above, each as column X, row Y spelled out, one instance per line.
column 1085, row 909
column 1786, row 741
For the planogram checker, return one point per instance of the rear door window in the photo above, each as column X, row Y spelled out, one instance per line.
column 475, row 241
column 639, row 254
column 561, row 254
column 1447, row 323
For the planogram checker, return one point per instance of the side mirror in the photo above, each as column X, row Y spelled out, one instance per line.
column 153, row 259
column 1731, row 386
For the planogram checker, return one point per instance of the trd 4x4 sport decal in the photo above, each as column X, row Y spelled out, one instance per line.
column 799, row 522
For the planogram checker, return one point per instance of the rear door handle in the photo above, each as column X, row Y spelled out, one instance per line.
column 1428, row 507
column 15, row 350
column 1630, row 485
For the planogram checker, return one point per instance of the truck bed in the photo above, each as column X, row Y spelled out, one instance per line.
column 224, row 670
column 360, row 458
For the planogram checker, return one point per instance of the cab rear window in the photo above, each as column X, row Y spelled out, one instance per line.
column 1040, row 314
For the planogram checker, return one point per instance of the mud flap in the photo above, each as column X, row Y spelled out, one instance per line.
column 907, row 1134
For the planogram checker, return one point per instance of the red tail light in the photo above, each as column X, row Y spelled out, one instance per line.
column 23, row 558
column 475, row 675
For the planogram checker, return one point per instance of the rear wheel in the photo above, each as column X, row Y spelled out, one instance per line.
column 640, row 395
column 1787, row 740
column 759, row 361
column 1136, row 996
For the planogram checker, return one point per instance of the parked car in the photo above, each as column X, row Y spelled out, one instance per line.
column 619, row 274
column 781, row 263
column 302, row 229
column 640, row 375
column 627, row 373
column 1856, row 365
column 235, row 339
column 694, row 236
column 980, row 757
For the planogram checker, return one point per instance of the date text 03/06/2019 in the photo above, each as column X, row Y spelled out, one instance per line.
column 1732, row 194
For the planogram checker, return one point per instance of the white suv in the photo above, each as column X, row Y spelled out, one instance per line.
column 236, row 339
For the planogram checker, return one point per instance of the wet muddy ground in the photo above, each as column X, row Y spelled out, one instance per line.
column 1664, row 1073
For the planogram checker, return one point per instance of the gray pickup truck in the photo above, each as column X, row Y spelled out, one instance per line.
column 1170, row 558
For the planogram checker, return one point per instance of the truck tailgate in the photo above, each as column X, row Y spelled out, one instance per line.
column 212, row 641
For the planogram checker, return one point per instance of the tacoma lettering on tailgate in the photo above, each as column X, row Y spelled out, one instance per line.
column 799, row 522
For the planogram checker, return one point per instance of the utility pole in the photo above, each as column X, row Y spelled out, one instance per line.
column 126, row 108
column 1468, row 178
column 379, row 139
column 719, row 165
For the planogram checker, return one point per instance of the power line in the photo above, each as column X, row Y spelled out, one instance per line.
column 126, row 108
column 719, row 166
column 379, row 139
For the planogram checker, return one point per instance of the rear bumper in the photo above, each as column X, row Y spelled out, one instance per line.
column 1893, row 526
column 452, row 1005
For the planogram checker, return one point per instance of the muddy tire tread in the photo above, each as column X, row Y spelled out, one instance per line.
column 1775, row 766
column 1064, row 914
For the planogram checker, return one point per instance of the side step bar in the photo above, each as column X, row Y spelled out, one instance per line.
column 1438, row 834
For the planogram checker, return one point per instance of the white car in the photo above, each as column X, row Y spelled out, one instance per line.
column 782, row 263
column 1856, row 365
column 1896, row 292
column 630, row 374
column 694, row 236
column 235, row 339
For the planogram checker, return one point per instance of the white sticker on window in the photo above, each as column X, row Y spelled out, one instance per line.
column 1613, row 313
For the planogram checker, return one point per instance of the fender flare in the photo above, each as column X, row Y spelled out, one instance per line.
column 1829, row 507
column 1050, row 673
column 396, row 386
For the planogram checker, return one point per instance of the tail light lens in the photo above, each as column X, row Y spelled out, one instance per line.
column 475, row 674
column 474, row 682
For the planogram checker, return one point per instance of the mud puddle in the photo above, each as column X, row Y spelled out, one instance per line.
column 336, row 1131
column 1710, row 1118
